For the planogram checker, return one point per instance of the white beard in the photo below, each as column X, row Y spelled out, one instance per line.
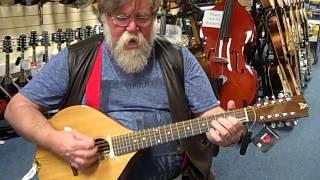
column 130, row 60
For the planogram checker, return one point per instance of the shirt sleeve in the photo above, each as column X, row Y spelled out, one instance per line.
column 49, row 85
column 198, row 89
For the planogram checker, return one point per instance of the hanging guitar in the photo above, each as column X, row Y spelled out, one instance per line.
column 69, row 36
column 45, row 43
column 22, row 47
column 33, row 42
column 59, row 38
column 79, row 34
column 284, row 69
column 8, row 87
column 117, row 145
column 226, row 45
column 88, row 32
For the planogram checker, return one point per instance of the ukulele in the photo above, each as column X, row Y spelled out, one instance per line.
column 117, row 145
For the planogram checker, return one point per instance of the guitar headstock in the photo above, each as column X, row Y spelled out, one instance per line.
column 33, row 39
column 79, row 34
column 280, row 110
column 7, row 44
column 69, row 35
column 22, row 43
column 59, row 36
column 45, row 39
column 88, row 32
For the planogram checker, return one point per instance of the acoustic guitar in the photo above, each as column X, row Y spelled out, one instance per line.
column 117, row 144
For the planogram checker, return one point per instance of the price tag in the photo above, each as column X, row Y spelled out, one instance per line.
column 212, row 18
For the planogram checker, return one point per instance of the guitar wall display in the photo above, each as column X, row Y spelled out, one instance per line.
column 117, row 144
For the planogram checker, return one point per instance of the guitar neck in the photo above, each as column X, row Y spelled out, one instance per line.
column 7, row 79
column 142, row 139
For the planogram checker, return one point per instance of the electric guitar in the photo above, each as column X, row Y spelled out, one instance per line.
column 34, row 43
column 22, row 47
column 117, row 144
column 45, row 42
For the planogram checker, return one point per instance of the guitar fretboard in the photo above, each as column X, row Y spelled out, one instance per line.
column 142, row 139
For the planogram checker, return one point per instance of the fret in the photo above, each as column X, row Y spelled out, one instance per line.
column 143, row 139
column 150, row 138
column 154, row 136
column 184, row 127
column 121, row 145
column 176, row 124
column 127, row 144
column 207, row 123
column 165, row 132
column 134, row 141
column 160, row 137
column 138, row 141
column 191, row 127
column 199, row 126
column 203, row 125
column 172, row 137
column 188, row 129
column 114, row 145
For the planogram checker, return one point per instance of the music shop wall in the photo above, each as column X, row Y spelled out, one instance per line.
column 16, row 20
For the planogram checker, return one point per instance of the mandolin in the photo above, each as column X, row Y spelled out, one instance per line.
column 117, row 145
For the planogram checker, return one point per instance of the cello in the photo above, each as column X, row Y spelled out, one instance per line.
column 226, row 45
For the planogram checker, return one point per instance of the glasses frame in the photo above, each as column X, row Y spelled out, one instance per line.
column 116, row 20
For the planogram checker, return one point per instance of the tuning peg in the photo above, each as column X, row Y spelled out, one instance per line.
column 280, row 95
column 295, row 122
column 266, row 98
column 288, row 123
column 273, row 125
column 273, row 97
column 280, row 124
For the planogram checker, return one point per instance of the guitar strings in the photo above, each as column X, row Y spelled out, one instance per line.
column 152, row 136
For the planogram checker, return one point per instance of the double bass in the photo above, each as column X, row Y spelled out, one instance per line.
column 226, row 45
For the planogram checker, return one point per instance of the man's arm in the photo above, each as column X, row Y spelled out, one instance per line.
column 27, row 119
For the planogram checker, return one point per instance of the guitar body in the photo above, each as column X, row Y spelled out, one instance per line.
column 91, row 123
column 228, row 58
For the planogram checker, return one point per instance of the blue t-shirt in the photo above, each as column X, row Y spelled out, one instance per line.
column 137, row 101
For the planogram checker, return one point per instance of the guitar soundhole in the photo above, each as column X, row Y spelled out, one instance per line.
column 103, row 148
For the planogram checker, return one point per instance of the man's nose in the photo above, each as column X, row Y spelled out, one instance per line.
column 132, row 27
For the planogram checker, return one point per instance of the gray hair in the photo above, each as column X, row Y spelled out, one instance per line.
column 109, row 6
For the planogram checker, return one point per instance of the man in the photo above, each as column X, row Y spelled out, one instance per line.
column 135, row 91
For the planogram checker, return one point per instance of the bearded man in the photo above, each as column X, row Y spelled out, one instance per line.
column 143, row 82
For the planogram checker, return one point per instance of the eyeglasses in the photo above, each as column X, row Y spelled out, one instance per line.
column 123, row 20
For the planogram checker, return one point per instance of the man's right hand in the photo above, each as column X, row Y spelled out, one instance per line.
column 79, row 150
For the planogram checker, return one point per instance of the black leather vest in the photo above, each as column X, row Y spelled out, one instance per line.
column 81, row 60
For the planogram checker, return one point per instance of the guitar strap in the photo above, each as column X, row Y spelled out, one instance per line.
column 94, row 82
